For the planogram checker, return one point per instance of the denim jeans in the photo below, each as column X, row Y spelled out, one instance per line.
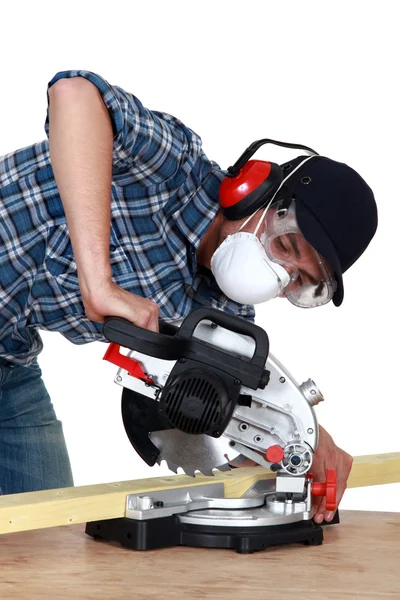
column 33, row 453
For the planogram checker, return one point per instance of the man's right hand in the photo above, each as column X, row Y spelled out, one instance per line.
column 110, row 300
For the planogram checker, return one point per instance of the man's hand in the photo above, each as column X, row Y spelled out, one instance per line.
column 110, row 300
column 329, row 456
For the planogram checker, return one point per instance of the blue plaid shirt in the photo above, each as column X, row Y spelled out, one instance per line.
column 164, row 196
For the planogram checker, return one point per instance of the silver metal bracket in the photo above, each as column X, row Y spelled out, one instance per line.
column 165, row 503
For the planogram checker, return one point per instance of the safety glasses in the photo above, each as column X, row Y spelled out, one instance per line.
column 312, row 282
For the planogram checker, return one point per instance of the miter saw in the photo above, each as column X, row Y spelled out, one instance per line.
column 200, row 397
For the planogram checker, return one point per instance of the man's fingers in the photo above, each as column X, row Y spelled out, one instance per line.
column 320, row 512
column 154, row 324
column 341, row 488
column 151, row 313
column 144, row 313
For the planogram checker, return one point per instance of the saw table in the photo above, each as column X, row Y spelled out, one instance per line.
column 359, row 560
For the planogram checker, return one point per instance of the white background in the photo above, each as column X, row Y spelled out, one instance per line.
column 321, row 74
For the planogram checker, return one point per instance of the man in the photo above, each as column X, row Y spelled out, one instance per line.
column 69, row 257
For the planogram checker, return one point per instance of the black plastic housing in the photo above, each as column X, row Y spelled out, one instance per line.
column 165, row 532
column 251, row 373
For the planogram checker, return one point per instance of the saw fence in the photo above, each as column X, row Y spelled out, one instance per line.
column 52, row 508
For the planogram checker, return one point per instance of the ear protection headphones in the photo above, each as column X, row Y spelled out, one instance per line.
column 251, row 184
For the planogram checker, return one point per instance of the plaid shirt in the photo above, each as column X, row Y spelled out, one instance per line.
column 164, row 196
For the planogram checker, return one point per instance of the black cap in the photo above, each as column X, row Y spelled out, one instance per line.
column 336, row 212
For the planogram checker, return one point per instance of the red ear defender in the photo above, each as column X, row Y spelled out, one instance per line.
column 251, row 184
column 251, row 189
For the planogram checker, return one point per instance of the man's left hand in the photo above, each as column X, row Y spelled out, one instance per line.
column 327, row 456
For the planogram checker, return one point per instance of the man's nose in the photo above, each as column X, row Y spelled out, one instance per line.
column 290, row 270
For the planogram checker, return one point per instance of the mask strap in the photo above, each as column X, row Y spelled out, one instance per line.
column 273, row 198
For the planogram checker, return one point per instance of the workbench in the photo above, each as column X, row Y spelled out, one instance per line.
column 359, row 559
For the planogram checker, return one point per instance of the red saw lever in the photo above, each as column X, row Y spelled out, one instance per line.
column 114, row 356
column 327, row 489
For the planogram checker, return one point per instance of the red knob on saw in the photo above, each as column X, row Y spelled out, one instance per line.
column 327, row 489
column 274, row 454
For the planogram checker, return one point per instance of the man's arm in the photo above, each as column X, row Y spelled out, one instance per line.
column 81, row 150
column 81, row 142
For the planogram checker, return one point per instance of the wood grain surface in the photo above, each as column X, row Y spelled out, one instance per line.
column 359, row 560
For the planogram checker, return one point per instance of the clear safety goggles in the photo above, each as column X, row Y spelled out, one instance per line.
column 311, row 280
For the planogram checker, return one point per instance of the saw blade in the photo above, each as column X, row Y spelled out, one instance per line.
column 193, row 452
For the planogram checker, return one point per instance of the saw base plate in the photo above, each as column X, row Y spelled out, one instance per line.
column 169, row 531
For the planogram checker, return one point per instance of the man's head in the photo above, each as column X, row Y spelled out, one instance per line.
column 322, row 218
column 335, row 210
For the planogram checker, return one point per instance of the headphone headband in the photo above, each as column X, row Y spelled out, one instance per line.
column 248, row 153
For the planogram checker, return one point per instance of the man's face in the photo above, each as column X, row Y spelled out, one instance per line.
column 296, row 255
column 312, row 280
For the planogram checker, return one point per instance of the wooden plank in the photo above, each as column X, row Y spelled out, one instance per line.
column 375, row 469
column 50, row 508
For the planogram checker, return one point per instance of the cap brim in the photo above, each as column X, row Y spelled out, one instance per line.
column 316, row 235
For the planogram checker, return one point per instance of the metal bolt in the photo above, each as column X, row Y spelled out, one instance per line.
column 214, row 325
column 288, row 407
column 310, row 430
column 258, row 439
column 243, row 427
column 313, row 392
column 144, row 502
column 182, row 360
column 236, row 382
column 282, row 379
column 118, row 378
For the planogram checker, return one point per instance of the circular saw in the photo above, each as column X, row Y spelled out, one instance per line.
column 207, row 395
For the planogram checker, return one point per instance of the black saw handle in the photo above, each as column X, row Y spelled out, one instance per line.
column 232, row 323
column 160, row 345
column 172, row 345
column 182, row 345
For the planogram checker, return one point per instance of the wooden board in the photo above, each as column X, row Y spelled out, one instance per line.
column 359, row 560
column 50, row 508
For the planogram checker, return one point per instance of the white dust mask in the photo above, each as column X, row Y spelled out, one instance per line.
column 244, row 272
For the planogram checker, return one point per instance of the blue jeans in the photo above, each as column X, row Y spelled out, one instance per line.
column 33, row 453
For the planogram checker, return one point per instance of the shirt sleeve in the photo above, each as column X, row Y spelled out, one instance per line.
column 149, row 146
